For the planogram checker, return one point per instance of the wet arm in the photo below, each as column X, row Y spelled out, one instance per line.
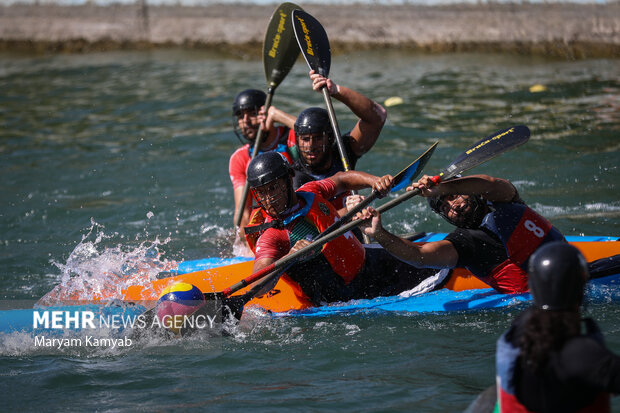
column 371, row 116
column 490, row 188
column 438, row 254
column 278, row 116
column 259, row 264
column 356, row 180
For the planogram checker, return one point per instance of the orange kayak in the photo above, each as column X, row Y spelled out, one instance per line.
column 284, row 297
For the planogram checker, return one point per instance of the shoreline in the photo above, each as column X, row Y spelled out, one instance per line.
column 563, row 30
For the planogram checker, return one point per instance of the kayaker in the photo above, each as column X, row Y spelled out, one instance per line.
column 544, row 362
column 495, row 236
column 248, row 115
column 343, row 269
column 317, row 155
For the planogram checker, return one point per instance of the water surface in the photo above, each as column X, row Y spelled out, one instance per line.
column 105, row 155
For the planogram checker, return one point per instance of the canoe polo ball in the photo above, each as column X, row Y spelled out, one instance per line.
column 176, row 302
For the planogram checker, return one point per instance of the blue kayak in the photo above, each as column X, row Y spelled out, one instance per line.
column 604, row 289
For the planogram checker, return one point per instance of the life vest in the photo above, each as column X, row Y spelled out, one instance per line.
column 506, row 359
column 282, row 146
column 522, row 231
column 344, row 255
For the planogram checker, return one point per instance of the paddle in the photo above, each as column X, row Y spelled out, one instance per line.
column 477, row 154
column 401, row 180
column 279, row 55
column 314, row 45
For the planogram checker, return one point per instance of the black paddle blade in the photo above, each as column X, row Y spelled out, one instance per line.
column 280, row 50
column 312, row 41
column 486, row 149
column 210, row 319
column 404, row 177
column 229, row 306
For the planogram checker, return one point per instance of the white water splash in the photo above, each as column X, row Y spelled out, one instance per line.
column 96, row 272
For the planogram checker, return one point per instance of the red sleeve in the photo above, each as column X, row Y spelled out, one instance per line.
column 291, row 138
column 325, row 187
column 238, row 165
column 274, row 244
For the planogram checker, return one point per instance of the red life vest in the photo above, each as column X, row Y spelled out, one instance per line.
column 522, row 231
column 344, row 254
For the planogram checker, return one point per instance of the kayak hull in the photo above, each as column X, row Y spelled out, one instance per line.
column 284, row 296
column 462, row 292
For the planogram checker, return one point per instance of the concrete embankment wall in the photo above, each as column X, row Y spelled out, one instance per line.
column 566, row 30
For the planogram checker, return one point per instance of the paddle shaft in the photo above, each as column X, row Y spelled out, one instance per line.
column 279, row 56
column 343, row 153
column 257, row 144
column 336, row 128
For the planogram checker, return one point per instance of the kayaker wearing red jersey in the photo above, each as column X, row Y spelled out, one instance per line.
column 317, row 155
column 343, row 269
column 544, row 362
column 495, row 236
column 248, row 115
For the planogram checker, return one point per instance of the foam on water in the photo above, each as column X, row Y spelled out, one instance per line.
column 96, row 272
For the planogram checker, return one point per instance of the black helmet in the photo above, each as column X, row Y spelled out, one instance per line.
column 473, row 220
column 312, row 120
column 248, row 99
column 557, row 275
column 267, row 167
column 435, row 203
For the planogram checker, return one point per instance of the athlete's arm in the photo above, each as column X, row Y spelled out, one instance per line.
column 355, row 180
column 247, row 209
column 490, row 188
column 272, row 245
column 437, row 254
column 236, row 170
column 259, row 264
column 276, row 115
column 371, row 114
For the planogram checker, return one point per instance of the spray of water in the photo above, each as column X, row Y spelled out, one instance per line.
column 96, row 271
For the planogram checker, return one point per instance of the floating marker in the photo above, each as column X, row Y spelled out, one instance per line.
column 537, row 88
column 393, row 101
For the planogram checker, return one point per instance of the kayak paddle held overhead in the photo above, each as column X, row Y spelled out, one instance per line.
column 280, row 52
column 314, row 45
column 279, row 48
